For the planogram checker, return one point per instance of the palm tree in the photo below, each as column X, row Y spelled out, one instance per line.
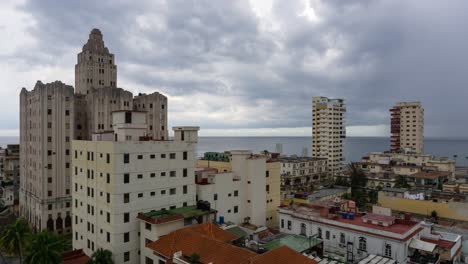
column 45, row 248
column 101, row 256
column 15, row 236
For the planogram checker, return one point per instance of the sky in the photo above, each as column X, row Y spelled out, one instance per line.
column 252, row 67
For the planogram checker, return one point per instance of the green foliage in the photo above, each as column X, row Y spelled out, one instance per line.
column 101, row 256
column 15, row 237
column 358, row 181
column 45, row 248
column 341, row 181
column 434, row 214
column 401, row 182
column 194, row 258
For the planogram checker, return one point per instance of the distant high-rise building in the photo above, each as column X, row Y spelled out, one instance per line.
column 407, row 127
column 328, row 132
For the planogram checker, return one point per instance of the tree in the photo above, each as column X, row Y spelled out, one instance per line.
column 358, row 181
column 45, row 248
column 401, row 182
column 434, row 214
column 15, row 236
column 101, row 256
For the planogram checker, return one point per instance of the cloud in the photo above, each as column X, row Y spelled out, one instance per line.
column 254, row 65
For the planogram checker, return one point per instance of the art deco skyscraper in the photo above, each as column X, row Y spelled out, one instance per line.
column 328, row 132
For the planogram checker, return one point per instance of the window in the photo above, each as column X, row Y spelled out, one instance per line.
column 148, row 261
column 126, row 197
column 236, row 209
column 303, row 229
column 140, row 195
column 282, row 223
column 172, row 156
column 163, row 174
column 289, row 225
column 140, row 176
column 108, row 237
column 388, row 251
column 163, row 156
column 163, row 192
column 172, row 173
column 148, row 226
column 126, row 178
column 152, row 156
column 126, row 158
column 108, row 197
column 126, row 217
column 108, row 217
column 215, row 197
column 153, row 193
column 127, row 256
column 108, row 178
column 319, row 233
column 236, row 193
column 152, row 175
column 268, row 188
column 128, row 117
column 184, row 173
column 267, row 174
column 184, row 155
column 126, row 237
column 362, row 244
column 342, row 238
column 185, row 189
column 327, row 235
column 108, row 158
column 172, row 191
column 49, row 111
column 140, row 157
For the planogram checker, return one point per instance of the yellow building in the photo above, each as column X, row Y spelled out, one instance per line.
column 446, row 206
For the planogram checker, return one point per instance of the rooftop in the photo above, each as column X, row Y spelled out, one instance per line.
column 429, row 175
column 295, row 242
column 163, row 216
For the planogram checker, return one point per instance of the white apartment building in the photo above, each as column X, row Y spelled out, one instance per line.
column 9, row 174
column 355, row 236
column 46, row 131
column 407, row 127
column 301, row 173
column 223, row 191
column 51, row 115
column 122, row 173
column 328, row 132
column 254, row 176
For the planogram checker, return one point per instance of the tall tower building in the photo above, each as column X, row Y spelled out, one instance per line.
column 46, row 131
column 407, row 127
column 328, row 132
column 96, row 65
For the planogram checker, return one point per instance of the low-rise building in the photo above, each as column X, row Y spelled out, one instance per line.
column 259, row 186
column 316, row 196
column 123, row 172
column 355, row 236
column 301, row 173
column 447, row 205
column 207, row 243
column 9, row 175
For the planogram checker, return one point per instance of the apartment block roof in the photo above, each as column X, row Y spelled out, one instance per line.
column 164, row 216
column 429, row 175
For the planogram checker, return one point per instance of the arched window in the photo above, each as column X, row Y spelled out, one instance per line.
column 362, row 244
column 50, row 224
column 303, row 229
column 319, row 232
column 59, row 223
column 68, row 221
column 388, row 251
column 342, row 238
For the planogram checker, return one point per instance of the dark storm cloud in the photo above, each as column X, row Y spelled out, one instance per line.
column 224, row 59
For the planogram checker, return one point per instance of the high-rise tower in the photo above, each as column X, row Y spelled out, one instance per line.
column 96, row 65
column 328, row 132
column 407, row 127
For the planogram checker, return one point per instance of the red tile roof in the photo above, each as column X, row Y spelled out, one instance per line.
column 211, row 243
column 74, row 257
column 441, row 243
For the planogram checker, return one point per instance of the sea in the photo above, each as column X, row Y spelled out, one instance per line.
column 354, row 148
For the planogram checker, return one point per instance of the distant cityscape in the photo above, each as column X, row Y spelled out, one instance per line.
column 96, row 168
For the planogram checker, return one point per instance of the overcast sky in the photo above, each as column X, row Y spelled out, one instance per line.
column 245, row 67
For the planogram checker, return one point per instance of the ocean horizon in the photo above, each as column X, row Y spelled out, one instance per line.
column 354, row 147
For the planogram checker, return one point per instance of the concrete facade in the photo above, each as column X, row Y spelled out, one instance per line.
column 46, row 132
column 115, row 180
column 301, row 173
column 9, row 175
column 328, row 132
column 407, row 127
